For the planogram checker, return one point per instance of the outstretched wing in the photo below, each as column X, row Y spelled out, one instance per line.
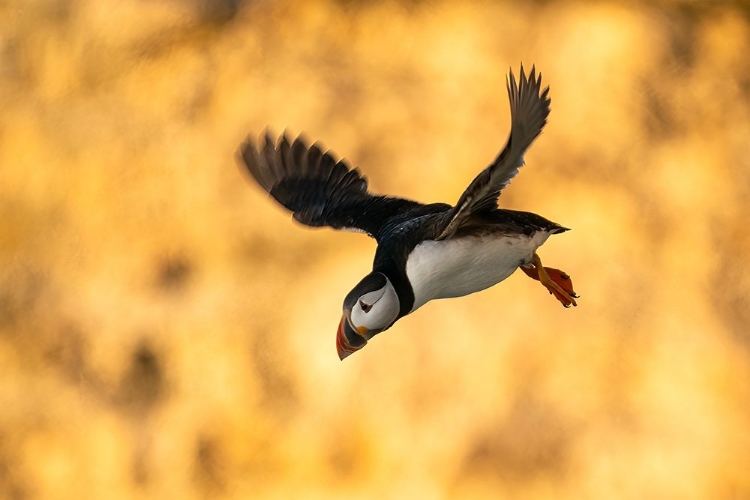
column 319, row 189
column 529, row 108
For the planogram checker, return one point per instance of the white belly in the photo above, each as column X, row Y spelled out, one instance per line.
column 453, row 268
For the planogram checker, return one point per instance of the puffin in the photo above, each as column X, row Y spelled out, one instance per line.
column 424, row 251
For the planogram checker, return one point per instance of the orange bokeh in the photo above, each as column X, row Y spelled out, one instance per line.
column 167, row 332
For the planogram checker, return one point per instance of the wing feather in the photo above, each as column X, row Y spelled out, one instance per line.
column 316, row 187
column 529, row 109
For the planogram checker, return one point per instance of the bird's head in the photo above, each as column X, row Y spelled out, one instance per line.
column 371, row 307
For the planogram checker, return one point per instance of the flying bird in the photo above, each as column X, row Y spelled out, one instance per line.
column 425, row 251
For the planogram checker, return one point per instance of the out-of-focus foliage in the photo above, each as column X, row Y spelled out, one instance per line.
column 166, row 332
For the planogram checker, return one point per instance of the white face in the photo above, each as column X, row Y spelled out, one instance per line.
column 375, row 310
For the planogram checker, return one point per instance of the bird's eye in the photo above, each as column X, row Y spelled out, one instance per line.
column 365, row 307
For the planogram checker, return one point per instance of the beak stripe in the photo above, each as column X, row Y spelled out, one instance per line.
column 348, row 340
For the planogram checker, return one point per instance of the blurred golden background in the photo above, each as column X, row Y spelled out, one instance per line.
column 167, row 332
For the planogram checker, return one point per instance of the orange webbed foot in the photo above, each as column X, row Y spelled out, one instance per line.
column 556, row 281
column 564, row 281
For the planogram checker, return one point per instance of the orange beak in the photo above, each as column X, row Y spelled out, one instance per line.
column 348, row 340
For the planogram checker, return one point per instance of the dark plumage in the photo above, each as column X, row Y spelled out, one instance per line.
column 319, row 189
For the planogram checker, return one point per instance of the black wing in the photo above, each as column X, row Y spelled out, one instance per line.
column 319, row 189
column 529, row 108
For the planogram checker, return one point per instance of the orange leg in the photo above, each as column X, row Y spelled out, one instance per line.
column 557, row 282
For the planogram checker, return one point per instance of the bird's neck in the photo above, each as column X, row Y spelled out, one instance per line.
column 397, row 276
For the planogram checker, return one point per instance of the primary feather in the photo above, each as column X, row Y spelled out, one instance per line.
column 316, row 187
column 529, row 108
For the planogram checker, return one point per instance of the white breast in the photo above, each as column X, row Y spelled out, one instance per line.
column 453, row 268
